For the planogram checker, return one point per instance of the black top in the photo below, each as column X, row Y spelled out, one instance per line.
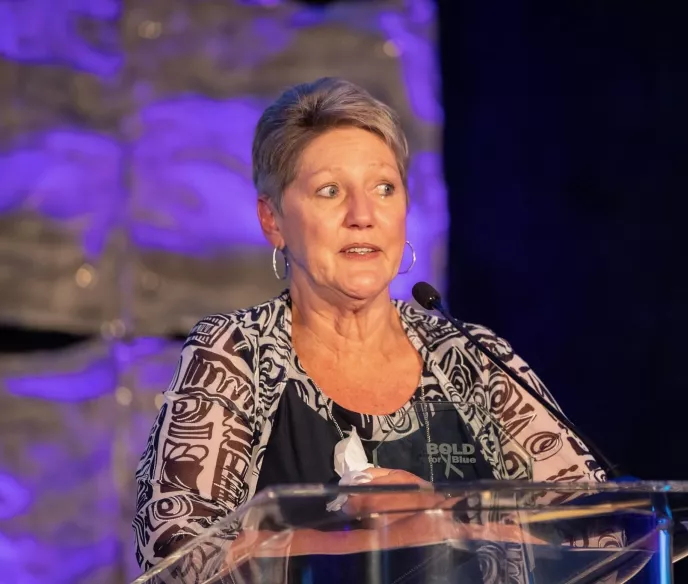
column 301, row 450
column 302, row 442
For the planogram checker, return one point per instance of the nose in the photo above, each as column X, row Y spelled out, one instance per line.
column 360, row 212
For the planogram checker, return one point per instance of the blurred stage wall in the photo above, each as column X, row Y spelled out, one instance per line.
column 127, row 213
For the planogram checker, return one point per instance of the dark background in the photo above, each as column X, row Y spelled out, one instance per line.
column 565, row 158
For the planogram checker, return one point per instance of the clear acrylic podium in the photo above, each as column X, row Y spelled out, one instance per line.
column 480, row 532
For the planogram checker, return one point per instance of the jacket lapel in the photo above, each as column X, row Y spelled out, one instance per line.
column 273, row 320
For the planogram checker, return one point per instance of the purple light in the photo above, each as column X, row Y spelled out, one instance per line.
column 419, row 66
column 421, row 11
column 27, row 560
column 268, row 38
column 94, row 380
column 193, row 190
column 262, row 3
column 64, row 472
column 45, row 31
column 14, row 497
column 427, row 222
column 68, row 176
column 152, row 360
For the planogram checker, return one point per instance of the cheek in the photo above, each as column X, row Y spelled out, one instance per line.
column 395, row 224
column 317, row 233
column 310, row 236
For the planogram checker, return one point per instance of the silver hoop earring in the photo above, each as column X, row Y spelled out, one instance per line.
column 274, row 264
column 413, row 259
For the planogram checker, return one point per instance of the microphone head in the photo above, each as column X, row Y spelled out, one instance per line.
column 426, row 295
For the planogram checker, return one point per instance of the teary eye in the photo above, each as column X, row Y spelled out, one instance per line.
column 385, row 189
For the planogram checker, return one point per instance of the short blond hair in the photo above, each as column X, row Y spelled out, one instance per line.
column 306, row 111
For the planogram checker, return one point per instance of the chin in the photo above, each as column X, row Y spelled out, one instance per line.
column 364, row 288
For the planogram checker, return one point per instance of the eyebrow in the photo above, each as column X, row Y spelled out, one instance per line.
column 338, row 167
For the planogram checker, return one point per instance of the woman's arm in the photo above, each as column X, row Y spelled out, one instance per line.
column 195, row 465
column 535, row 443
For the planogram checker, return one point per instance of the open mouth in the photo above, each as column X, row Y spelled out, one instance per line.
column 360, row 249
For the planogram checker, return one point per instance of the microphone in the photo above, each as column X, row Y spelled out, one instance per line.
column 430, row 299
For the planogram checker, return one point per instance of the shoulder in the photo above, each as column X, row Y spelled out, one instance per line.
column 240, row 326
column 220, row 356
column 438, row 333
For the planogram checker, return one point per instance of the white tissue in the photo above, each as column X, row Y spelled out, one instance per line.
column 350, row 463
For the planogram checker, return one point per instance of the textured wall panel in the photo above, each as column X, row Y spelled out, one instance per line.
column 59, row 501
column 127, row 213
column 74, row 423
column 125, row 186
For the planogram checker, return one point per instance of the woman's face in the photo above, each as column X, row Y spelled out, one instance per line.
column 343, row 218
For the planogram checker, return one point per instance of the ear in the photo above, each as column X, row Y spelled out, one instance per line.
column 269, row 222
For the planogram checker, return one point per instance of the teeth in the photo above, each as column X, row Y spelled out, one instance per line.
column 360, row 250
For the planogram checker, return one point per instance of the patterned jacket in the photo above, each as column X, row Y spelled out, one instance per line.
column 206, row 447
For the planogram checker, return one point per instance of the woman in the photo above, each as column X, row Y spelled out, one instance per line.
column 262, row 396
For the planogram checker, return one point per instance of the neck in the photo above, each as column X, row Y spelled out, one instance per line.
column 346, row 327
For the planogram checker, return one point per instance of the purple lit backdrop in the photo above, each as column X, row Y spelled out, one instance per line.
column 127, row 212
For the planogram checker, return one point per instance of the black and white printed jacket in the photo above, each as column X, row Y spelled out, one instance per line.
column 206, row 447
